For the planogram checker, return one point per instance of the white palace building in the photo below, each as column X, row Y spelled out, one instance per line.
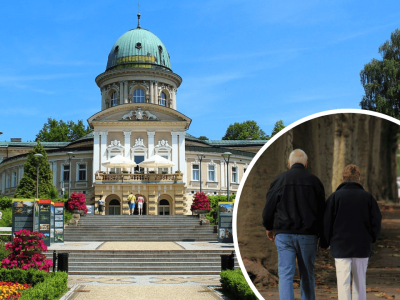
column 138, row 118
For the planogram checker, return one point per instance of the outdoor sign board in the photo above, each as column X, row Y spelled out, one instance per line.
column 58, row 222
column 90, row 209
column 225, row 210
column 52, row 222
column 22, row 214
column 44, row 219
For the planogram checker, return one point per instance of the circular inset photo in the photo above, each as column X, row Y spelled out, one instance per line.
column 317, row 214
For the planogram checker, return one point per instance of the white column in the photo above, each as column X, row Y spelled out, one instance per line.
column 151, row 91
column 150, row 142
column 174, row 98
column 121, row 92
column 156, row 93
column 103, row 149
column 182, row 159
column 175, row 151
column 127, row 143
column 96, row 154
column 126, row 96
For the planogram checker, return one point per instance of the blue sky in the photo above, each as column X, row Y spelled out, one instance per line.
column 240, row 60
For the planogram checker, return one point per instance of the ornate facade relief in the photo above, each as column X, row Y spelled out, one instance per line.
column 139, row 115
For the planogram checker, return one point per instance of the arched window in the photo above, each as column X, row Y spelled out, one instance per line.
column 114, row 99
column 138, row 96
column 163, row 100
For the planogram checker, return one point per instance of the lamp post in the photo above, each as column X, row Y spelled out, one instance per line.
column 70, row 156
column 226, row 156
column 37, row 172
column 200, row 156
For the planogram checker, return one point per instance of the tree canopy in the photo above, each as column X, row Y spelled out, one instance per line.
column 60, row 131
column 203, row 138
column 278, row 127
column 244, row 131
column 27, row 186
column 381, row 79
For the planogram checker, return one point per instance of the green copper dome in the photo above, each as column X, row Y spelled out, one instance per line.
column 138, row 48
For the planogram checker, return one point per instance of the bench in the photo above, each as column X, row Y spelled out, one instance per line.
column 5, row 230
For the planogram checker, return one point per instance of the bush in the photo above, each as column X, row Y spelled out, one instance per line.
column 3, row 251
column 214, row 200
column 5, row 203
column 67, row 216
column 235, row 285
column 6, row 220
column 77, row 201
column 200, row 202
column 45, row 285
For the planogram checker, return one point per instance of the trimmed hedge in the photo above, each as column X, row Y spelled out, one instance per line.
column 235, row 285
column 45, row 285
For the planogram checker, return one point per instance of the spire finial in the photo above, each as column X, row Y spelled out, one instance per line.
column 138, row 16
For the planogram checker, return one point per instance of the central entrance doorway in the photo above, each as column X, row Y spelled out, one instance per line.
column 163, row 208
column 114, row 208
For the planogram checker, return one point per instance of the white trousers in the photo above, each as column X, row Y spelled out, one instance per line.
column 344, row 268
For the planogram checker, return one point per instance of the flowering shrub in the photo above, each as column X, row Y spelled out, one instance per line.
column 11, row 290
column 77, row 201
column 26, row 252
column 200, row 202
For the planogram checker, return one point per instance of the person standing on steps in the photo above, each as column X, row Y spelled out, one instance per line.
column 352, row 223
column 131, row 201
column 101, row 205
column 140, row 201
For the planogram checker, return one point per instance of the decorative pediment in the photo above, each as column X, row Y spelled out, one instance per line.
column 139, row 114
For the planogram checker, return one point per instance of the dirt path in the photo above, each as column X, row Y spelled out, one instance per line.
column 383, row 274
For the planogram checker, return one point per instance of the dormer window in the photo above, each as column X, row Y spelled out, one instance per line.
column 160, row 48
column 116, row 49
column 138, row 46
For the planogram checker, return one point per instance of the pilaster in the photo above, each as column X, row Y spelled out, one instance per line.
column 181, row 159
column 126, row 94
column 96, row 154
column 150, row 139
column 121, row 92
column 103, row 150
column 175, row 151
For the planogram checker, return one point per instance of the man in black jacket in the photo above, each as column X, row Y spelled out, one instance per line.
column 352, row 223
column 293, row 218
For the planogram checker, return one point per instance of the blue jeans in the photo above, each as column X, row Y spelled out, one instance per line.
column 304, row 247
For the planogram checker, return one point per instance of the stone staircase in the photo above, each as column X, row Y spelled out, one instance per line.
column 139, row 228
column 136, row 228
column 177, row 262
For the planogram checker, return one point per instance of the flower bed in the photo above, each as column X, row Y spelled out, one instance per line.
column 26, row 251
column 12, row 290
column 44, row 285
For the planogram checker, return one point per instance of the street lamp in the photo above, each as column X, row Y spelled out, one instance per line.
column 37, row 172
column 70, row 156
column 200, row 156
column 226, row 156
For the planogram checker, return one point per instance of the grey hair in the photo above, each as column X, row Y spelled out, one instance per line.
column 298, row 156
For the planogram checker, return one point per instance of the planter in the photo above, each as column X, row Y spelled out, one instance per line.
column 200, row 211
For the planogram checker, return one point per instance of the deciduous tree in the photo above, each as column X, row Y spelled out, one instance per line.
column 381, row 79
column 244, row 131
column 60, row 131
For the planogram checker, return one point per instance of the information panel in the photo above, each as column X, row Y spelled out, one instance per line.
column 225, row 210
column 44, row 219
column 59, row 222
column 22, row 214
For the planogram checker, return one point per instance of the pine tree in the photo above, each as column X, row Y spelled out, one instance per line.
column 27, row 186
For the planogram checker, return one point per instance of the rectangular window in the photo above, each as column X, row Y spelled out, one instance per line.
column 163, row 170
column 195, row 172
column 211, row 173
column 65, row 173
column 234, row 175
column 14, row 179
column 8, row 181
column 82, row 172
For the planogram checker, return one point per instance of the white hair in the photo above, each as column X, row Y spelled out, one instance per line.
column 298, row 156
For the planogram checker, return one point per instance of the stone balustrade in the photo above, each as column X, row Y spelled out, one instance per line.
column 124, row 177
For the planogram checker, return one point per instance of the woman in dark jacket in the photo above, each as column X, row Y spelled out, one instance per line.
column 352, row 223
